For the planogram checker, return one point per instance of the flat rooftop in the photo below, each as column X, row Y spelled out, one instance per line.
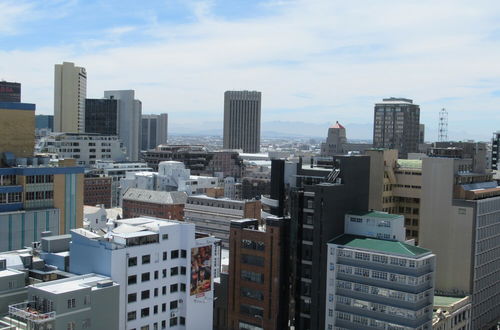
column 446, row 301
column 380, row 245
column 72, row 283
column 376, row 214
column 410, row 163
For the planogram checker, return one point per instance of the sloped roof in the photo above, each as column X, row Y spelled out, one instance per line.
column 337, row 125
column 156, row 197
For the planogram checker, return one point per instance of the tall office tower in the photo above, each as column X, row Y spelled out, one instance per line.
column 129, row 120
column 101, row 116
column 495, row 151
column 242, row 120
column 335, row 141
column 375, row 280
column 421, row 133
column 165, row 270
column 460, row 222
column 10, row 91
column 17, row 128
column 154, row 131
column 44, row 122
column 258, row 275
column 396, row 125
column 70, row 90
column 318, row 208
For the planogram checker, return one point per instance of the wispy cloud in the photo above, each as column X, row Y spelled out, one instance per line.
column 313, row 60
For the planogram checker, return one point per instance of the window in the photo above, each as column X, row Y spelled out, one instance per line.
column 131, row 316
column 182, row 320
column 165, row 255
column 156, row 274
column 71, row 303
column 173, row 321
column 183, row 270
column 132, row 261
column 252, row 260
column 164, row 236
column 156, row 292
column 164, row 273
column 145, row 312
column 145, row 277
column 252, row 276
column 164, row 290
column 173, row 304
column 174, row 254
column 145, row 295
column 174, row 271
column 71, row 326
column 252, row 293
column 251, row 310
column 155, row 309
column 183, row 254
column 183, row 287
column 174, row 288
column 132, row 279
column 163, row 307
column 146, row 259
column 132, row 297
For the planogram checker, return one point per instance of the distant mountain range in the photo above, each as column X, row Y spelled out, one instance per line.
column 280, row 129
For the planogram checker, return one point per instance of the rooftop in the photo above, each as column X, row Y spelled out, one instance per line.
column 376, row 214
column 410, row 163
column 156, row 197
column 442, row 301
column 72, row 283
column 380, row 245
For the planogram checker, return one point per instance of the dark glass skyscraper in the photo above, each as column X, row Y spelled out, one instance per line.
column 101, row 116
column 10, row 91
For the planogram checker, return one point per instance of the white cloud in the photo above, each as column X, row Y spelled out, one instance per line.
column 343, row 55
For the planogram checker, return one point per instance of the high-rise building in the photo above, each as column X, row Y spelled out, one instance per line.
column 101, row 116
column 17, row 128
column 495, row 151
column 318, row 206
column 44, row 122
column 70, row 90
column 375, row 280
column 396, row 125
column 335, row 141
column 154, row 131
column 459, row 222
column 10, row 91
column 421, row 134
column 258, row 261
column 242, row 120
column 164, row 270
column 129, row 120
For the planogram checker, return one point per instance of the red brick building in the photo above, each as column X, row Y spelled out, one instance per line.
column 258, row 275
column 96, row 191
column 160, row 204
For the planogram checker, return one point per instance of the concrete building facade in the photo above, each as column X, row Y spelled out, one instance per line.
column 159, row 204
column 166, row 274
column 396, row 125
column 335, row 141
column 242, row 115
column 129, row 120
column 97, row 191
column 154, row 130
column 17, row 128
column 70, row 90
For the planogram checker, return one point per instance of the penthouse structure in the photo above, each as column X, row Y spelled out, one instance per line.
column 214, row 215
column 164, row 270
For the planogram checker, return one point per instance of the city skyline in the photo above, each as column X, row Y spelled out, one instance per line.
column 313, row 62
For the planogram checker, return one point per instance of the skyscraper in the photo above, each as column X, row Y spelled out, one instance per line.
column 154, row 130
column 335, row 141
column 129, row 119
column 70, row 90
column 101, row 116
column 396, row 125
column 10, row 91
column 242, row 120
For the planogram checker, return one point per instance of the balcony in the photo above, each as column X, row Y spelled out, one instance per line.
column 30, row 312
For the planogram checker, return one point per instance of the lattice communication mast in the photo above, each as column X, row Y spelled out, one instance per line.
column 443, row 125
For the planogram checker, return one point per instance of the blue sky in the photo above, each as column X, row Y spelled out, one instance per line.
column 315, row 61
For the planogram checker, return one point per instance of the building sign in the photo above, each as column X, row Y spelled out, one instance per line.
column 201, row 270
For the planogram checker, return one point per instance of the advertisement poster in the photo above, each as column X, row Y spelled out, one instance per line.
column 201, row 270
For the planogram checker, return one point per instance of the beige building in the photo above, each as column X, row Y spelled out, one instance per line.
column 70, row 91
column 17, row 128
column 395, row 187
column 451, row 313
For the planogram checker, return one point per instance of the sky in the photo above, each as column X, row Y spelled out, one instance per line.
column 315, row 61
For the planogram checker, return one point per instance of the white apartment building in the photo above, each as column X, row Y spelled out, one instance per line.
column 86, row 148
column 166, row 274
column 378, row 283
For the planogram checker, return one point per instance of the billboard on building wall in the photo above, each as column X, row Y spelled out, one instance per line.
column 201, row 270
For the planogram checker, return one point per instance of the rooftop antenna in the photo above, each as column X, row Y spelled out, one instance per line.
column 443, row 125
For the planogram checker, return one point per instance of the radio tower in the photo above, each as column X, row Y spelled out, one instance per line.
column 443, row 125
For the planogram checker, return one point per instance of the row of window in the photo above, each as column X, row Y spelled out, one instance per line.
column 146, row 259
column 31, row 179
column 379, row 258
column 13, row 197
column 146, row 277
column 39, row 195
column 145, row 312
column 368, row 273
